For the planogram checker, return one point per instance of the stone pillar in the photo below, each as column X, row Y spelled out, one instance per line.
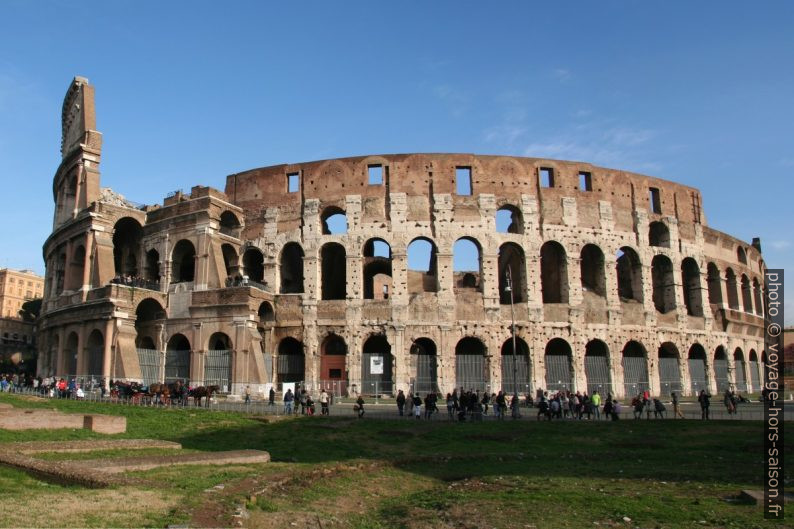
column 88, row 263
column 107, row 352
column 197, row 356
column 653, row 372
column 402, row 356
column 60, row 361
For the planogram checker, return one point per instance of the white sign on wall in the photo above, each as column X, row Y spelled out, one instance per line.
column 376, row 365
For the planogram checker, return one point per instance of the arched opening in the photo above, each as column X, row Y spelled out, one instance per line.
column 467, row 264
column 230, row 224
column 635, row 369
column 60, row 273
column 183, row 261
column 731, row 286
column 697, row 368
column 334, row 221
column 218, row 362
column 512, row 264
column 127, row 234
column 254, row 265
column 291, row 362
column 741, row 255
column 152, row 268
column 70, row 354
column 739, row 370
column 471, row 369
column 423, row 353
column 333, row 367
column 266, row 313
column 755, row 372
column 596, row 368
column 515, row 369
column 377, row 269
column 747, row 294
column 376, row 366
column 758, row 298
column 147, row 343
column 658, row 234
column 229, row 259
column 721, row 369
column 422, row 266
column 663, row 284
column 509, row 220
column 669, row 370
column 177, row 359
column 690, row 277
column 95, row 350
column 334, row 271
column 592, row 270
column 147, row 313
column 75, row 276
column 559, row 372
column 554, row 273
column 629, row 272
column 291, row 268
column 715, row 284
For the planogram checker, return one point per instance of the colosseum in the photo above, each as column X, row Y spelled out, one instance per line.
column 371, row 274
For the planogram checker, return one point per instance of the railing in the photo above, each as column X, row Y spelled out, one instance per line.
column 136, row 282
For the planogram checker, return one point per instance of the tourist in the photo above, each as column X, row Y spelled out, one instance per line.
column 359, row 407
column 615, row 410
column 705, row 401
column 485, row 401
column 417, row 406
column 271, row 397
column 596, row 402
column 658, row 409
column 515, row 407
column 400, row 402
column 247, row 394
column 324, row 402
column 288, row 400
column 676, row 406
column 729, row 403
column 429, row 405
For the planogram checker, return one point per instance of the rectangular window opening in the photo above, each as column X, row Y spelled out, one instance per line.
column 585, row 181
column 546, row 177
column 334, row 373
column 375, row 173
column 655, row 199
column 293, row 182
column 463, row 180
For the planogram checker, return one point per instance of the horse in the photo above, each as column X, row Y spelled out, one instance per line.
column 201, row 392
column 178, row 392
column 160, row 392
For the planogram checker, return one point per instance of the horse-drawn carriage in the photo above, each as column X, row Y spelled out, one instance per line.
column 157, row 394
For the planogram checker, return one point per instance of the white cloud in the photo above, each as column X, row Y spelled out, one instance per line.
column 780, row 245
column 562, row 74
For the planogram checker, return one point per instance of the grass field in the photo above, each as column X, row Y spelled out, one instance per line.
column 342, row 472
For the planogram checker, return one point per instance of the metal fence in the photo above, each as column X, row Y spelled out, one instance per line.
column 741, row 382
column 635, row 375
column 149, row 360
column 558, row 372
column 521, row 373
column 470, row 372
column 596, row 369
column 721, row 374
column 755, row 377
column 669, row 376
column 697, row 375
column 218, row 369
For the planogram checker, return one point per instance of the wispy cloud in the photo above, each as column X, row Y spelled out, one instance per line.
column 780, row 245
column 456, row 100
column 563, row 75
column 786, row 162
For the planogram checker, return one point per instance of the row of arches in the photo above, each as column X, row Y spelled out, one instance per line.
column 559, row 364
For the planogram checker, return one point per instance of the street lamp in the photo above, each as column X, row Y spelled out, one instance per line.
column 509, row 288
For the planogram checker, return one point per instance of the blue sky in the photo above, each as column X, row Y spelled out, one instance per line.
column 188, row 92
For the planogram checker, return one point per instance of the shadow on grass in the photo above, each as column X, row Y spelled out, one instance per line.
column 714, row 451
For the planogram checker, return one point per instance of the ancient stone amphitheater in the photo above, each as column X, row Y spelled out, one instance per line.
column 385, row 272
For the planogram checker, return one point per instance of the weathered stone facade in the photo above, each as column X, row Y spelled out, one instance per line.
column 308, row 273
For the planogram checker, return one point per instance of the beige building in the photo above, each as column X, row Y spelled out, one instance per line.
column 386, row 272
column 17, row 287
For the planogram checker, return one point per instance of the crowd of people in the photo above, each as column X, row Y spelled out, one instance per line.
column 49, row 386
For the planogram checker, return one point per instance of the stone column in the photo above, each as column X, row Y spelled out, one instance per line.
column 107, row 352
column 88, row 263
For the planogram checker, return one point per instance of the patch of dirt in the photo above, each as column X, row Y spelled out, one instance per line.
column 78, row 507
